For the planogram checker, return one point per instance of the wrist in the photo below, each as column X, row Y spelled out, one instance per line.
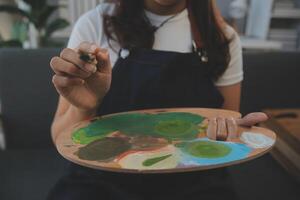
column 82, row 113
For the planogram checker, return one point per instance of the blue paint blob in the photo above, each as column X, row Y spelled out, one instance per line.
column 238, row 152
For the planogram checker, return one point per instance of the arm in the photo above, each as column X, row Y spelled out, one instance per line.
column 77, row 103
column 232, row 96
column 81, row 85
column 229, row 129
column 68, row 115
column 229, row 84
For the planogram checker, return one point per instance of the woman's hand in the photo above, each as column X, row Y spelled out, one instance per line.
column 81, row 83
column 227, row 128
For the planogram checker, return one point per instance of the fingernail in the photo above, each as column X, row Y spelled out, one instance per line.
column 93, row 48
column 91, row 68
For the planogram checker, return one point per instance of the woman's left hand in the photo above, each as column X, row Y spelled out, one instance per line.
column 227, row 128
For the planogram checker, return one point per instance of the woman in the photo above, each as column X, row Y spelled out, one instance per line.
column 150, row 54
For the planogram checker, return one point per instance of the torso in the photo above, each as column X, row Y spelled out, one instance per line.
column 173, row 36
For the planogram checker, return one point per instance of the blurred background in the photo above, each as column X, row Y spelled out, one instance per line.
column 263, row 25
column 33, row 31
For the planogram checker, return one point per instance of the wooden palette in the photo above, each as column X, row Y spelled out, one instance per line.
column 159, row 141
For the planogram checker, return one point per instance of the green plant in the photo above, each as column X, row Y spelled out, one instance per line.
column 40, row 15
column 9, row 43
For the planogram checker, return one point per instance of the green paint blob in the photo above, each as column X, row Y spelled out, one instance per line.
column 127, row 123
column 176, row 129
column 103, row 149
column 171, row 126
column 80, row 137
column 194, row 118
column 153, row 161
column 207, row 149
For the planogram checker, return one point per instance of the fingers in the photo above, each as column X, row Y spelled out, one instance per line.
column 221, row 129
column 252, row 119
column 88, row 52
column 88, row 48
column 102, row 56
column 232, row 128
column 62, row 67
column 224, row 129
column 62, row 83
column 104, row 64
column 73, row 57
column 212, row 129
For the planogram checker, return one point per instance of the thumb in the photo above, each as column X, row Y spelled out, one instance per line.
column 104, row 64
column 252, row 119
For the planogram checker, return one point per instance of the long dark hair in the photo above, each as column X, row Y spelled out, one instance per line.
column 130, row 27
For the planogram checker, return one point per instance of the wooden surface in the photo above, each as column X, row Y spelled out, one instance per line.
column 289, row 120
column 67, row 148
column 286, row 123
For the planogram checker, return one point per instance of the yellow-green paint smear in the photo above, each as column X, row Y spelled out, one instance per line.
column 207, row 149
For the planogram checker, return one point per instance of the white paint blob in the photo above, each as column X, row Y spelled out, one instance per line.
column 256, row 140
column 136, row 160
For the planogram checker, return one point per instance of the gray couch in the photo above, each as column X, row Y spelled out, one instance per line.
column 272, row 80
column 29, row 99
column 27, row 96
column 30, row 166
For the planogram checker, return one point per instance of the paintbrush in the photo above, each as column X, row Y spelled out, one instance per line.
column 88, row 57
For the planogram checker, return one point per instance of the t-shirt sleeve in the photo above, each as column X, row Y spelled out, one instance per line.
column 234, row 73
column 86, row 29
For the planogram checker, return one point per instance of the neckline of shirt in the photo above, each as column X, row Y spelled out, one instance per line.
column 161, row 18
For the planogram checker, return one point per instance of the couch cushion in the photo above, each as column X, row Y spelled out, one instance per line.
column 272, row 80
column 27, row 96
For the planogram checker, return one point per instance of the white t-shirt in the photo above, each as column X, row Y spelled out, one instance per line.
column 175, row 35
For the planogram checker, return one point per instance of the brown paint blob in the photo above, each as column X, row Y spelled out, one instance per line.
column 145, row 143
column 103, row 149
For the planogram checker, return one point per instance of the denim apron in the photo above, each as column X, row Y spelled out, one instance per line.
column 159, row 79
column 145, row 79
column 152, row 79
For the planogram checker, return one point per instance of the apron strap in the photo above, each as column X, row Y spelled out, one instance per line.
column 195, row 31
column 198, row 45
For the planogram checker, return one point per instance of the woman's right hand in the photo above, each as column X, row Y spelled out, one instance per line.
column 82, row 84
